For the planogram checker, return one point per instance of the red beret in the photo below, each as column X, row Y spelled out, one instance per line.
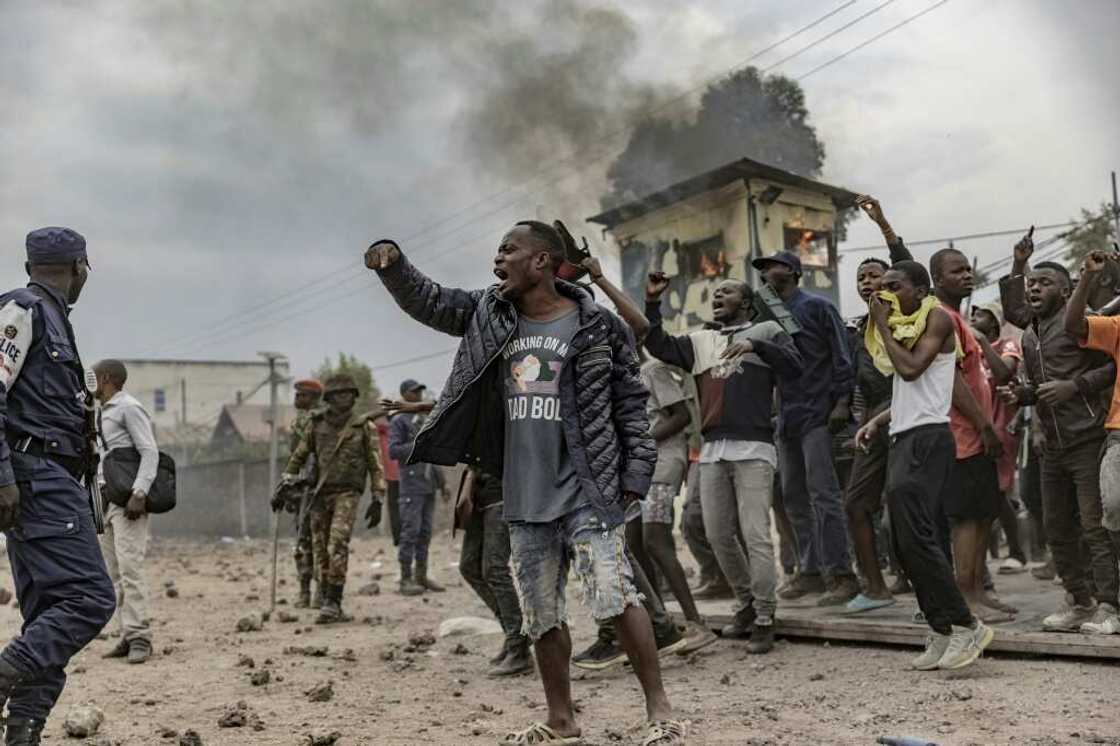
column 309, row 385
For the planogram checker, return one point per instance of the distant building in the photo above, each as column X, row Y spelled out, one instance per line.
column 246, row 424
column 187, row 397
column 708, row 228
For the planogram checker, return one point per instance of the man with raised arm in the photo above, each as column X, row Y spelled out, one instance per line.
column 545, row 391
column 736, row 370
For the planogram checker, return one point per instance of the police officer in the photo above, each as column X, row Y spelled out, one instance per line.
column 64, row 591
column 419, row 484
column 296, row 499
column 345, row 446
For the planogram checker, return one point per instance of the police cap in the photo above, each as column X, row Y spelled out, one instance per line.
column 55, row 246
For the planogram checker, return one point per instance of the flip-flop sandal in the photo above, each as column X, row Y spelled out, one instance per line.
column 539, row 734
column 866, row 603
column 666, row 733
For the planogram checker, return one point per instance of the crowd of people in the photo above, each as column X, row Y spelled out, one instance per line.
column 903, row 439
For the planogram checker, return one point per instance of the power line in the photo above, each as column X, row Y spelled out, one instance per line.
column 827, row 36
column 966, row 237
column 875, row 38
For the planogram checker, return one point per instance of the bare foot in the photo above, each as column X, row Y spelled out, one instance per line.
column 992, row 602
column 993, row 616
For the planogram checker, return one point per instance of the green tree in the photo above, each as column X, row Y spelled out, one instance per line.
column 368, row 393
column 1094, row 232
column 742, row 115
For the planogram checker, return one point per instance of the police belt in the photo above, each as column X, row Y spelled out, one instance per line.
column 33, row 446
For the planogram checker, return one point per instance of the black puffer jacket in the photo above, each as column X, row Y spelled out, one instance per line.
column 602, row 399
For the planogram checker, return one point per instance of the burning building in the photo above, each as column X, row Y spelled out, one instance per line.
column 708, row 228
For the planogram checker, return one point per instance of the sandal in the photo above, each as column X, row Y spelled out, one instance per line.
column 666, row 733
column 539, row 734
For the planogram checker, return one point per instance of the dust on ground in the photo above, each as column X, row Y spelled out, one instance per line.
column 365, row 682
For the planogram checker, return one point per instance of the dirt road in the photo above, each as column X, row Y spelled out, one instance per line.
column 385, row 691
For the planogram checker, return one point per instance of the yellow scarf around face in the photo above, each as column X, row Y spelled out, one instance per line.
column 906, row 328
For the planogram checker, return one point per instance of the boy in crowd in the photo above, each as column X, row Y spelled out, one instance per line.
column 736, row 370
column 1100, row 516
column 921, row 460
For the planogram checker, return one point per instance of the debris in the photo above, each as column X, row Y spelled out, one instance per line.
column 260, row 678
column 817, row 677
column 468, row 625
column 320, row 738
column 83, row 721
column 239, row 716
column 5, row 596
column 963, row 693
column 190, row 738
column 311, row 651
column 422, row 640
column 285, row 617
column 172, row 592
column 252, row 623
column 460, row 649
column 246, row 661
column 369, row 589
column 323, row 692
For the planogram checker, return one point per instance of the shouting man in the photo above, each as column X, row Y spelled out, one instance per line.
column 545, row 391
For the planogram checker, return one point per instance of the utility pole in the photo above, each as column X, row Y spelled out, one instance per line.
column 1115, row 207
column 273, row 451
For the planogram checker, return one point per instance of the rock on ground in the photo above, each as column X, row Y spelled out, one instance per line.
column 251, row 623
column 83, row 721
column 468, row 625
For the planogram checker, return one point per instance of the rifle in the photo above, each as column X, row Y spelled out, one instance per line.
column 92, row 458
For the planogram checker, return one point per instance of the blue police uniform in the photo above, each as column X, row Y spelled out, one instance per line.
column 418, row 485
column 64, row 592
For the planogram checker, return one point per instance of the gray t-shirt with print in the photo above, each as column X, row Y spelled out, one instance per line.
column 665, row 391
column 539, row 482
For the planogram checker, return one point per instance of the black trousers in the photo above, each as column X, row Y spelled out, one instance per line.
column 1072, row 510
column 393, row 505
column 919, row 469
column 484, row 564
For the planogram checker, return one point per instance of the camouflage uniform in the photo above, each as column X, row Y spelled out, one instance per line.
column 305, row 565
column 345, row 453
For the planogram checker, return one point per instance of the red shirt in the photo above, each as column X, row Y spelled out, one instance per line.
column 969, row 442
column 390, row 467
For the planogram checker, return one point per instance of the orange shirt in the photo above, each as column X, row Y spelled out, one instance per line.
column 967, row 437
column 1104, row 335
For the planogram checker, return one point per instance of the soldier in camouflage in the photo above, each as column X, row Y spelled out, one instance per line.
column 298, row 499
column 345, row 447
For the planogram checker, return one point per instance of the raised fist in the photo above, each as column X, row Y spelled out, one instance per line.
column 656, row 285
column 382, row 255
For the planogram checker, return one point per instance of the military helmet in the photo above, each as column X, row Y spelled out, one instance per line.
column 336, row 384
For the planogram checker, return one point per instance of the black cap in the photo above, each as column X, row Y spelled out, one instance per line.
column 408, row 385
column 55, row 246
column 787, row 258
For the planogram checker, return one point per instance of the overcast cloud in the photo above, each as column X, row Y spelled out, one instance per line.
column 223, row 156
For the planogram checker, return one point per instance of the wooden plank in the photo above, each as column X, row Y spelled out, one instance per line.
column 1007, row 640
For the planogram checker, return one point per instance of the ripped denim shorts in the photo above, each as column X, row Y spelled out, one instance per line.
column 542, row 553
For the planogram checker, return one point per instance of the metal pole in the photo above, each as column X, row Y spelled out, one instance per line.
column 241, row 498
column 1115, row 207
column 273, row 449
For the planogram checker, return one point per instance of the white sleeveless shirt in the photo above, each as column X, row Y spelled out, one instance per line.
column 926, row 401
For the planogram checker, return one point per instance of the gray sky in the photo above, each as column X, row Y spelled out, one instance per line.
column 228, row 162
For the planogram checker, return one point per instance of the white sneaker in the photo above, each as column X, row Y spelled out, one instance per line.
column 936, row 645
column 1105, row 622
column 1070, row 617
column 965, row 645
